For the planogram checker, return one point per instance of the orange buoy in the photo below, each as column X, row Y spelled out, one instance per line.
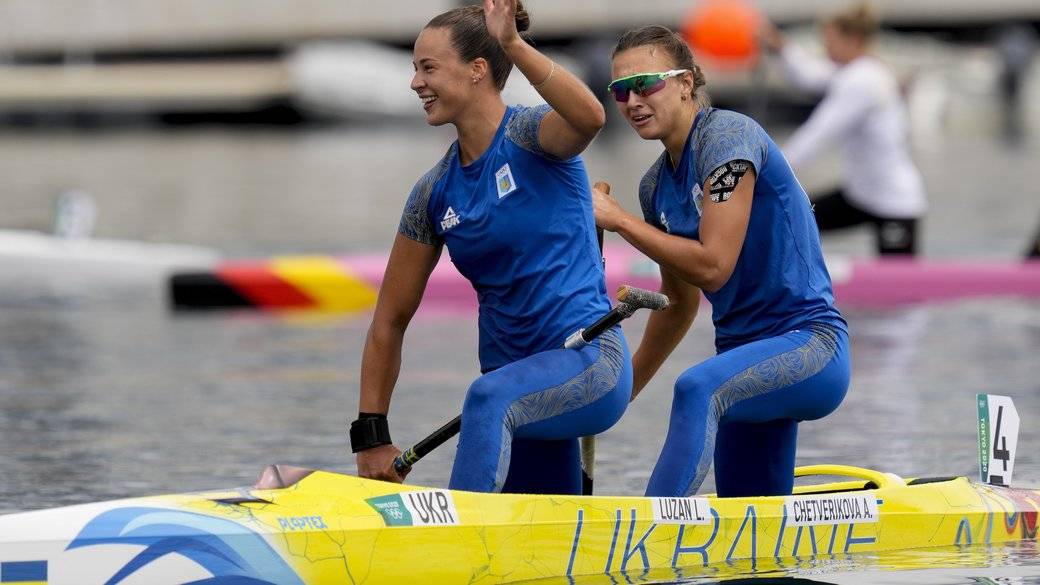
column 724, row 31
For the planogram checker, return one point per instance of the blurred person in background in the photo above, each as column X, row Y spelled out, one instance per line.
column 1016, row 43
column 724, row 214
column 862, row 108
column 1033, row 248
column 511, row 201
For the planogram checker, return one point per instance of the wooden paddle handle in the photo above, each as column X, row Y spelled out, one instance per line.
column 588, row 444
column 605, row 187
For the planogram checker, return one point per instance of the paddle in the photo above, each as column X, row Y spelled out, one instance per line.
column 588, row 444
column 630, row 300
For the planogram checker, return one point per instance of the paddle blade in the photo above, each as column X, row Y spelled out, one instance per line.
column 280, row 476
column 588, row 464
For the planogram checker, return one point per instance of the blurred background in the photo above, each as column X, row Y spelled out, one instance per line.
column 140, row 136
column 263, row 126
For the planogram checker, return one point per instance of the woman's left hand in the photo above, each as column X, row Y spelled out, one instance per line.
column 500, row 16
column 608, row 211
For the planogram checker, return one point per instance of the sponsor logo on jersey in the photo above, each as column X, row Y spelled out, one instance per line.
column 698, row 198
column 504, row 181
column 450, row 220
column 664, row 222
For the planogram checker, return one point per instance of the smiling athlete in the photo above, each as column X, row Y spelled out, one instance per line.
column 512, row 203
column 723, row 214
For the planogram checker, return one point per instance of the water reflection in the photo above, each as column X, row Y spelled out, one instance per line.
column 1014, row 564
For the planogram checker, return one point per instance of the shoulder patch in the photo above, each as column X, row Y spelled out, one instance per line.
column 723, row 180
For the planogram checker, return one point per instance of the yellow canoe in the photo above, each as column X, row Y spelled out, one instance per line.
column 323, row 527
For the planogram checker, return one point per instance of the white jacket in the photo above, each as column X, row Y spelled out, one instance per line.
column 862, row 108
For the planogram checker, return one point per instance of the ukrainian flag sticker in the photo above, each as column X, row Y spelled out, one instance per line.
column 504, row 181
column 24, row 572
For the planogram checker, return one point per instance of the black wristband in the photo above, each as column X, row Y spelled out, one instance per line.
column 368, row 431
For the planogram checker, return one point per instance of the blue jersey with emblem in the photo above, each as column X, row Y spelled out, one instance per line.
column 518, row 224
column 780, row 282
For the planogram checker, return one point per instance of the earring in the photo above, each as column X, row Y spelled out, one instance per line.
column 476, row 79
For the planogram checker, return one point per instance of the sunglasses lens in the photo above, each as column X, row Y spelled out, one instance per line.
column 651, row 84
column 643, row 85
column 620, row 92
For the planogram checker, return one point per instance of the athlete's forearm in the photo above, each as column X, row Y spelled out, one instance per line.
column 835, row 116
column 407, row 271
column 563, row 91
column 380, row 367
column 664, row 330
column 688, row 259
column 806, row 71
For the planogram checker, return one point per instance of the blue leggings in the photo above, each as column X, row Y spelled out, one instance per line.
column 743, row 407
column 541, row 404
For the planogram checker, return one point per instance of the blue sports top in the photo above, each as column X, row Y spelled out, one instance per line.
column 518, row 225
column 780, row 282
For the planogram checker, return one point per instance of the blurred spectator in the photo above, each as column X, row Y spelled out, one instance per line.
column 1016, row 43
column 1033, row 251
column 75, row 214
column 862, row 108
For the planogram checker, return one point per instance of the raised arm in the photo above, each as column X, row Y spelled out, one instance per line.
column 404, row 282
column 848, row 102
column 577, row 115
column 807, row 72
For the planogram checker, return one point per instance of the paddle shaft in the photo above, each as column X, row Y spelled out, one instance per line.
column 587, row 444
column 405, row 460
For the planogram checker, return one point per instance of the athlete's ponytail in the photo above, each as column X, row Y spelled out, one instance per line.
column 469, row 36
column 676, row 48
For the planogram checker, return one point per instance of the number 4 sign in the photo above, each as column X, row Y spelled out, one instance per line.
column 998, row 438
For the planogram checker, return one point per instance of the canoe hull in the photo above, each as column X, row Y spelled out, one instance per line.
column 331, row 528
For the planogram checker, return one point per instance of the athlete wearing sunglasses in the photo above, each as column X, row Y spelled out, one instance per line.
column 643, row 84
column 724, row 214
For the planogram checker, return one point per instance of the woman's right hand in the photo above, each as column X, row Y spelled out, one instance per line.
column 378, row 463
column 609, row 213
column 500, row 19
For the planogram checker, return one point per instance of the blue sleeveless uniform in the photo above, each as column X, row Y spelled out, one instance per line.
column 518, row 225
column 782, row 345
